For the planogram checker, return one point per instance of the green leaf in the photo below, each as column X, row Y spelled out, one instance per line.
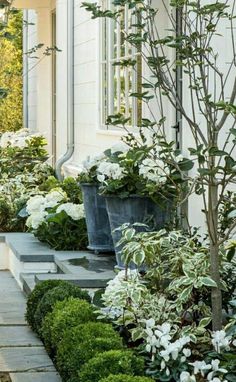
column 137, row 334
column 186, row 165
column 184, row 295
column 214, row 151
column 129, row 234
column 207, row 281
column 139, row 257
column 205, row 322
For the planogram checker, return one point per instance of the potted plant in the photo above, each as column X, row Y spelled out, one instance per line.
column 98, row 227
column 140, row 185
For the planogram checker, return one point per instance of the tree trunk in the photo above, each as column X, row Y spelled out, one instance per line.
column 216, row 295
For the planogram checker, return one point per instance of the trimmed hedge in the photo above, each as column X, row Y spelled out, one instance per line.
column 59, row 293
column 35, row 297
column 88, row 340
column 66, row 314
column 111, row 362
column 125, row 378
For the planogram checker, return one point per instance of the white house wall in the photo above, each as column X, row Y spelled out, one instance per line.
column 90, row 137
column 223, row 46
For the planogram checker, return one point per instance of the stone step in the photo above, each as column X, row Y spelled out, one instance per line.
column 74, row 279
column 28, row 282
column 35, row 377
column 28, row 249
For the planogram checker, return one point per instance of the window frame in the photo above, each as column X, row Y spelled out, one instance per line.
column 105, row 57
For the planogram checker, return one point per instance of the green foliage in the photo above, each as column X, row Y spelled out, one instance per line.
column 61, row 232
column 111, row 362
column 59, row 293
column 11, row 80
column 72, row 189
column 172, row 55
column 15, row 160
column 88, row 340
column 65, row 314
column 125, row 378
column 36, row 295
column 69, row 185
column 178, row 267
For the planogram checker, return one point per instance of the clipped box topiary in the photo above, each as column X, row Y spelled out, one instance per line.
column 111, row 362
column 125, row 378
column 66, row 314
column 59, row 293
column 88, row 340
column 35, row 297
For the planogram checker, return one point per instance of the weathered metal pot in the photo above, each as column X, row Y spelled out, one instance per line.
column 99, row 231
column 134, row 209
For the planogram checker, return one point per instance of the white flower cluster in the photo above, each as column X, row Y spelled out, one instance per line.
column 210, row 372
column 19, row 138
column 120, row 147
column 159, row 340
column 37, row 206
column 75, row 211
column 154, row 170
column 91, row 162
column 220, row 341
column 108, row 170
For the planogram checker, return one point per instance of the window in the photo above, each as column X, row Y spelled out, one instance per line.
column 118, row 82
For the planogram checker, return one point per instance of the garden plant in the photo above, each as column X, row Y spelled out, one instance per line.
column 189, row 53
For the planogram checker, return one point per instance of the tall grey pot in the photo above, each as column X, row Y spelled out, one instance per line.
column 134, row 209
column 99, row 231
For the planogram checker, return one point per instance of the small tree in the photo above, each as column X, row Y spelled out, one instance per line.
column 190, row 50
column 11, row 65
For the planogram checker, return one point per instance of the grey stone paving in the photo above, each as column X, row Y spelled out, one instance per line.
column 35, row 377
column 21, row 353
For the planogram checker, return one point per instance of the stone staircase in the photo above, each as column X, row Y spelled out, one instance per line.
column 32, row 262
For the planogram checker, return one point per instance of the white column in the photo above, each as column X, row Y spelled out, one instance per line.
column 44, row 76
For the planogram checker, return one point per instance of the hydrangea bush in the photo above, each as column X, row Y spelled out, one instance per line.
column 56, row 221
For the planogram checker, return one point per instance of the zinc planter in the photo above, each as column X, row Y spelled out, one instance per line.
column 134, row 209
column 99, row 231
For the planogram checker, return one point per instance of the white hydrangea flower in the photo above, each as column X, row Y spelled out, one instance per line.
column 75, row 211
column 110, row 171
column 36, row 219
column 154, row 170
column 54, row 197
column 35, row 204
column 119, row 147
column 179, row 158
column 220, row 340
column 91, row 162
